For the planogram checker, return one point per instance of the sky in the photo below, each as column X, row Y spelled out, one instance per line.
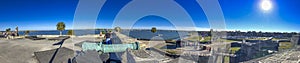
column 243, row 15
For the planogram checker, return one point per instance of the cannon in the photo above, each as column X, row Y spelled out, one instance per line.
column 107, row 48
column 99, row 52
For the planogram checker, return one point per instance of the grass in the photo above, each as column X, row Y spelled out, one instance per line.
column 226, row 59
column 275, row 39
column 262, row 38
column 230, row 40
column 233, row 50
column 195, row 38
column 207, row 39
column 171, row 41
column 198, row 38
column 172, row 51
column 226, row 40
column 285, row 45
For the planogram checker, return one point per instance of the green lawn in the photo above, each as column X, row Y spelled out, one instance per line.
column 198, row 38
column 226, row 40
column 233, row 50
column 173, row 51
column 226, row 59
column 262, row 38
column 285, row 45
column 170, row 41
column 195, row 38
column 207, row 39
column 275, row 39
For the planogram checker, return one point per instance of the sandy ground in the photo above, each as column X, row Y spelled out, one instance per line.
column 22, row 50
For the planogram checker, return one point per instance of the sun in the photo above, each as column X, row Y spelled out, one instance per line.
column 266, row 5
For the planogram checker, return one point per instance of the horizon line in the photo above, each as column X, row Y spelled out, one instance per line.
column 165, row 29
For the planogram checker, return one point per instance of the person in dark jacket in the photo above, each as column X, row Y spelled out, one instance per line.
column 108, row 37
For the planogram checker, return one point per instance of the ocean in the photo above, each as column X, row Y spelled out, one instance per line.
column 55, row 32
column 140, row 34
column 148, row 35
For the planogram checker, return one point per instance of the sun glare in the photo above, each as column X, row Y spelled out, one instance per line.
column 266, row 5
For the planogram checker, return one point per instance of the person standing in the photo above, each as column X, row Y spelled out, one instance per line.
column 17, row 31
column 100, row 34
column 178, row 43
column 108, row 38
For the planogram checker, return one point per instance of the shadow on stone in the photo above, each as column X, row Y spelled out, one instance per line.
column 90, row 57
column 62, row 55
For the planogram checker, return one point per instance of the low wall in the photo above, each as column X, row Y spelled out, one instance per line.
column 47, row 36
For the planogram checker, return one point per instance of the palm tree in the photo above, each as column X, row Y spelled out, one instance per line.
column 27, row 32
column 153, row 30
column 71, row 32
column 118, row 29
column 60, row 27
column 103, row 32
column 8, row 30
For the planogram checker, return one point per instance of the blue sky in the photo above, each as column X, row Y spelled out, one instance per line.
column 241, row 15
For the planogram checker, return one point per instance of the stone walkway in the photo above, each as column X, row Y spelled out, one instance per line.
column 22, row 50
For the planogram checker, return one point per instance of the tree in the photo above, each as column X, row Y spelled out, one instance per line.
column 71, row 32
column 109, row 31
column 60, row 27
column 103, row 32
column 153, row 30
column 27, row 32
column 8, row 30
column 118, row 29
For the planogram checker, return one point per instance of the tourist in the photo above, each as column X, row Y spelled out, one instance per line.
column 13, row 34
column 5, row 34
column 100, row 34
column 178, row 43
column 108, row 37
